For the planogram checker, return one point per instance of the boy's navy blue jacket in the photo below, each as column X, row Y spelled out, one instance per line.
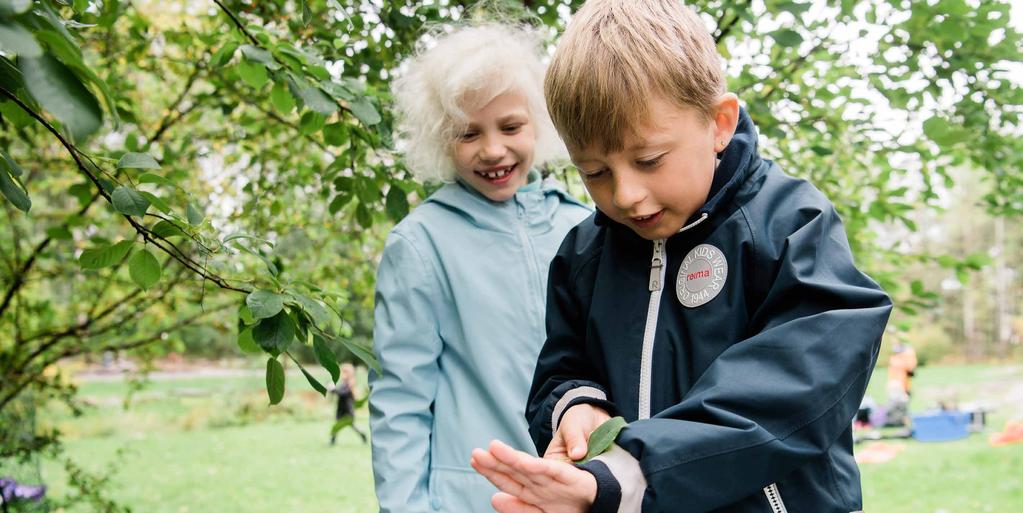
column 743, row 403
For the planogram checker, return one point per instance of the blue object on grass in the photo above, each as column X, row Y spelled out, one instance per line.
column 941, row 426
column 11, row 490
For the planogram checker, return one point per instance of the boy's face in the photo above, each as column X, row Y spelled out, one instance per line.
column 664, row 171
column 494, row 153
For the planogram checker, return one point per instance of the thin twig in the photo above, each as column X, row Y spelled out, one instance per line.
column 147, row 234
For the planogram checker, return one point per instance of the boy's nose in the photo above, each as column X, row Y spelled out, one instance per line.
column 628, row 194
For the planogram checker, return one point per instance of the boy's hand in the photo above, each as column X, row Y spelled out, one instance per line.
column 534, row 485
column 570, row 442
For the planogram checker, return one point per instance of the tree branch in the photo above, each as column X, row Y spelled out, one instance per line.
column 18, row 387
column 148, row 235
column 167, row 121
column 723, row 31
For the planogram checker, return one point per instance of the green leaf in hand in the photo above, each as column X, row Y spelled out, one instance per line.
column 603, row 438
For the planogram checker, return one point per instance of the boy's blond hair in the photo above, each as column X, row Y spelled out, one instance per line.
column 616, row 55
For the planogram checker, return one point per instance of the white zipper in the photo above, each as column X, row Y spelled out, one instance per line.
column 774, row 498
column 658, row 265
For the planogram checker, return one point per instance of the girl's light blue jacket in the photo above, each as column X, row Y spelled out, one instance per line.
column 459, row 322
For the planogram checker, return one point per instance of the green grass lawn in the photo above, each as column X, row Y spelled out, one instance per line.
column 212, row 444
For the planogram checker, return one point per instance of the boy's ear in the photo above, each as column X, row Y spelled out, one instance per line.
column 726, row 118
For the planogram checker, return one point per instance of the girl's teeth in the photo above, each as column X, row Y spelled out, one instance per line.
column 497, row 174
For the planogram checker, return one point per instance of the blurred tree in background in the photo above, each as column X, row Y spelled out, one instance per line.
column 225, row 171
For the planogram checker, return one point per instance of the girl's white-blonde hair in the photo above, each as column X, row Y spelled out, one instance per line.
column 457, row 73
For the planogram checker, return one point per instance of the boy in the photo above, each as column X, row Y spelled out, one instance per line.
column 712, row 300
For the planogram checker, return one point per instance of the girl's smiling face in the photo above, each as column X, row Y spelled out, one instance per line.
column 495, row 151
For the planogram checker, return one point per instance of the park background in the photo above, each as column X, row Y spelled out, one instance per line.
column 196, row 193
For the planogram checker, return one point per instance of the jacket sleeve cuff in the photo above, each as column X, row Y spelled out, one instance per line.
column 579, row 395
column 609, row 493
column 628, row 476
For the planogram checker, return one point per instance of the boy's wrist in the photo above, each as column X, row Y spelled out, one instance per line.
column 607, row 492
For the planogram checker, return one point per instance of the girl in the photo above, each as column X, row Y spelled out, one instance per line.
column 459, row 317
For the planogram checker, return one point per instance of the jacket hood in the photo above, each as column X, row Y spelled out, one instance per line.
column 537, row 206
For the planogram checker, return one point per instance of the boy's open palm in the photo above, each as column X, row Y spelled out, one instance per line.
column 534, row 485
column 573, row 435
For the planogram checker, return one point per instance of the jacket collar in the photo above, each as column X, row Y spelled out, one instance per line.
column 482, row 212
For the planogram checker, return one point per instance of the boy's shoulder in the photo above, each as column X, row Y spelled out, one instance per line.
column 775, row 199
column 584, row 239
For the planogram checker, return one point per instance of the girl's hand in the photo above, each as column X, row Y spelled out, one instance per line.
column 534, row 485
column 573, row 435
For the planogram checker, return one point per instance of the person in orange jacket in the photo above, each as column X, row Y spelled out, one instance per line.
column 901, row 367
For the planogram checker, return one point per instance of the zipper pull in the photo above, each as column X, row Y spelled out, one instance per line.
column 655, row 265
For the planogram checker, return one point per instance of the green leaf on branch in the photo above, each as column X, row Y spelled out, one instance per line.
column 168, row 229
column 281, row 98
column 60, row 92
column 105, row 255
column 307, row 15
column 156, row 202
column 603, row 438
column 274, row 380
column 133, row 160
column 275, row 334
column 257, row 54
column 311, row 122
column 253, row 74
column 223, row 55
column 10, row 186
column 18, row 40
column 157, row 179
column 942, row 132
column 363, row 353
column 339, row 202
column 326, row 357
column 59, row 233
column 313, row 382
column 144, row 269
column 311, row 96
column 129, row 202
column 193, row 214
column 317, row 312
column 363, row 216
column 335, row 134
column 787, row 37
column 248, row 344
column 396, row 204
column 264, row 304
column 365, row 111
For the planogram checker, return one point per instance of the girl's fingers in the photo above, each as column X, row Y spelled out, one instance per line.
column 518, row 464
column 487, row 462
column 506, row 503
column 536, row 473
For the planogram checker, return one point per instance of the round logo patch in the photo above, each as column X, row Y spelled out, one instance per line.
column 701, row 276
